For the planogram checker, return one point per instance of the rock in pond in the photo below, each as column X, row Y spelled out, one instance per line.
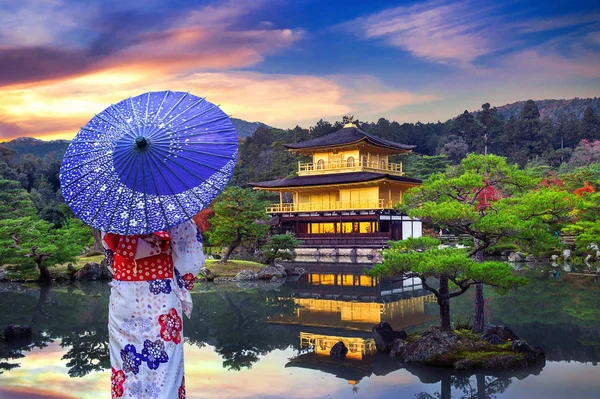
column 433, row 342
column 207, row 273
column 338, row 351
column 90, row 271
column 268, row 272
column 516, row 257
column 498, row 335
column 384, row 336
column 246, row 275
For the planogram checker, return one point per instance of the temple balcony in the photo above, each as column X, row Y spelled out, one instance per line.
column 307, row 169
column 330, row 206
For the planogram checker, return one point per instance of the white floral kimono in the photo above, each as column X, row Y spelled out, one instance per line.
column 150, row 290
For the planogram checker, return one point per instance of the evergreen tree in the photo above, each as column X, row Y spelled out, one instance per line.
column 238, row 219
column 590, row 125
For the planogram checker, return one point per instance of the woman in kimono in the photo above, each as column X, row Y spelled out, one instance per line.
column 153, row 274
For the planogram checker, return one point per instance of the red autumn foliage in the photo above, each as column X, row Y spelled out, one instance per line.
column 552, row 181
column 581, row 191
column 486, row 196
column 201, row 219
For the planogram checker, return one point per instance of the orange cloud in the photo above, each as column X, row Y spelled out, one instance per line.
column 58, row 109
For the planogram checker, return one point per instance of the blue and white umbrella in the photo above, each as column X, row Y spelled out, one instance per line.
column 148, row 163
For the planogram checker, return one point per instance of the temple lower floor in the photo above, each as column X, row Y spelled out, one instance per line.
column 371, row 229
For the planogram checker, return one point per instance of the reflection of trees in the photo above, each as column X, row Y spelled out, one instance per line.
column 236, row 325
column 88, row 341
column 478, row 385
column 60, row 312
column 560, row 314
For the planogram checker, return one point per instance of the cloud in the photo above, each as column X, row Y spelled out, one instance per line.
column 460, row 33
column 202, row 38
column 437, row 31
column 58, row 109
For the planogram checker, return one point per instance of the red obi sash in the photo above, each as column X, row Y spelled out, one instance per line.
column 127, row 268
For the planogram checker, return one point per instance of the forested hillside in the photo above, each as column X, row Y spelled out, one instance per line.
column 554, row 108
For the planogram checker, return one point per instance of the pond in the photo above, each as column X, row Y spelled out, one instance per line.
column 272, row 341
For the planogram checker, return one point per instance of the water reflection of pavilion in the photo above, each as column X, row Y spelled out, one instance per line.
column 344, row 306
column 357, row 302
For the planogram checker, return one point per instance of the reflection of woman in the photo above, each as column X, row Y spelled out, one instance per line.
column 152, row 276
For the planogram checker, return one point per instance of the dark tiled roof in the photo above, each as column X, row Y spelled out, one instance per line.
column 347, row 135
column 334, row 178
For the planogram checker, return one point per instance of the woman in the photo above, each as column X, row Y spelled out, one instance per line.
column 150, row 290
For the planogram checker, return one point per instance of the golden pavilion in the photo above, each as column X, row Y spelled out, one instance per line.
column 344, row 197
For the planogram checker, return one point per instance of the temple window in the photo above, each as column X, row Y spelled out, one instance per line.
column 350, row 162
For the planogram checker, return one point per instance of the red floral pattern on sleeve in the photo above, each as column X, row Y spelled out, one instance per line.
column 170, row 326
column 117, row 380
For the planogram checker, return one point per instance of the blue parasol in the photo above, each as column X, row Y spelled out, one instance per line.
column 148, row 163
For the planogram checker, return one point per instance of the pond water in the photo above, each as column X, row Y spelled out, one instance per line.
column 272, row 341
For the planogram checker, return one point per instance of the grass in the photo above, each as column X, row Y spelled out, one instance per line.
column 232, row 267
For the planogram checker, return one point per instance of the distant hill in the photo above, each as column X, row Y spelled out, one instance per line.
column 29, row 145
column 553, row 108
column 245, row 128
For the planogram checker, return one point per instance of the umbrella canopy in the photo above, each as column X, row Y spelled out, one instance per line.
column 148, row 163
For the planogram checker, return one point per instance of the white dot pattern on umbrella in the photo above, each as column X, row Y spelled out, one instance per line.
column 149, row 163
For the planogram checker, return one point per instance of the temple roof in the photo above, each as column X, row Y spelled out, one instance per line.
column 337, row 178
column 347, row 135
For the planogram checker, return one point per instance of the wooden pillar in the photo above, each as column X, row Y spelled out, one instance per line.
column 281, row 200
column 389, row 205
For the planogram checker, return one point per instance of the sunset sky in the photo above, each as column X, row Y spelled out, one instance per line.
column 288, row 62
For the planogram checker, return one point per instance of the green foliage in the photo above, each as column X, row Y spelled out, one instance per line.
column 238, row 218
column 514, row 211
column 14, row 200
column 280, row 246
column 453, row 268
column 29, row 241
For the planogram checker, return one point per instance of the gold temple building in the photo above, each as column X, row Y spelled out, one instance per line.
column 344, row 197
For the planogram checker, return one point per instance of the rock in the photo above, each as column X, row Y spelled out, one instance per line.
column 207, row 273
column 493, row 339
column 463, row 364
column 516, row 257
column 505, row 253
column 531, row 258
column 294, row 271
column 106, row 274
column 502, row 332
column 3, row 275
column 588, row 259
column 384, row 336
column 90, row 271
column 433, row 343
column 13, row 332
column 532, row 353
column 566, row 254
column 246, row 275
column 502, row 362
column 338, row 351
column 268, row 272
column 554, row 258
column 398, row 348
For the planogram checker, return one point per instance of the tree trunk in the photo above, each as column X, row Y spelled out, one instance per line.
column 446, row 389
column 44, row 272
column 444, row 303
column 479, row 319
column 97, row 240
column 481, row 388
column 230, row 248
